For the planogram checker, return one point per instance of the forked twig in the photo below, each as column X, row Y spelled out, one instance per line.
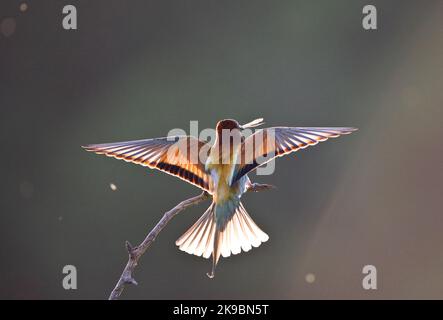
column 135, row 253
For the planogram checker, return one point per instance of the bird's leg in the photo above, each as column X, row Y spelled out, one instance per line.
column 256, row 187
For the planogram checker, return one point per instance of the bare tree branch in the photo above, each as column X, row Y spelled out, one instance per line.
column 135, row 253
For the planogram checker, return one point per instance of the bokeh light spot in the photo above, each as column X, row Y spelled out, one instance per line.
column 23, row 7
column 310, row 278
column 7, row 27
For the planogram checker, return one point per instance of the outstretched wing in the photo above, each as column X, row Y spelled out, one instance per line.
column 264, row 145
column 178, row 156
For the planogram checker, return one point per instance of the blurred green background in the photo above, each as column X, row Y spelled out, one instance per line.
column 136, row 69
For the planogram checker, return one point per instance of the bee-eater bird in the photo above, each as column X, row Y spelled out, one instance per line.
column 221, row 169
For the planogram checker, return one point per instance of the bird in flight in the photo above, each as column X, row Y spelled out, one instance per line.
column 221, row 169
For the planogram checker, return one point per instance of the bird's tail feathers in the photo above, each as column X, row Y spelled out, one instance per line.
column 210, row 235
column 199, row 238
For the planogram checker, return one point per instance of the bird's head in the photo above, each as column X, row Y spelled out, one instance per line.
column 231, row 124
column 228, row 124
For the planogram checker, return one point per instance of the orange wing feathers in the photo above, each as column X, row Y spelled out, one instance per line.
column 178, row 156
column 266, row 144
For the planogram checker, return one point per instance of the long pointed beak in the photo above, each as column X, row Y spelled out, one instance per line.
column 253, row 124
